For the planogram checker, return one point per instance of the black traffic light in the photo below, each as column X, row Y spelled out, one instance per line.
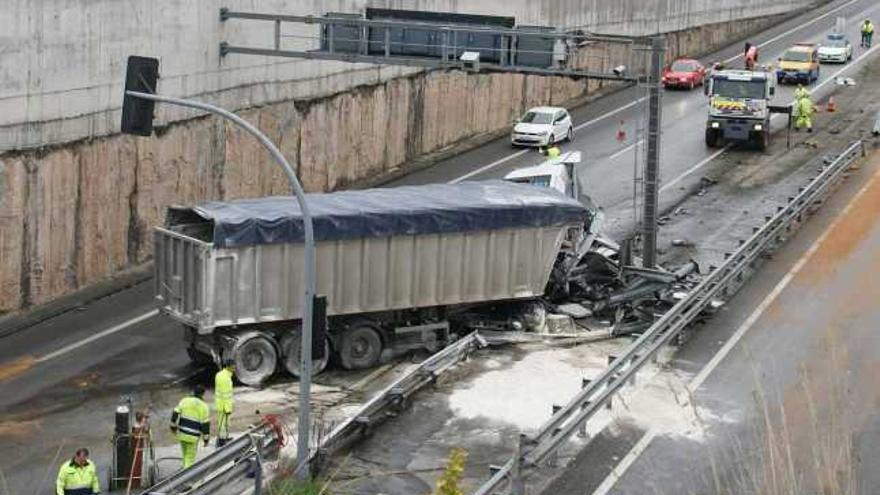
column 137, row 113
column 319, row 326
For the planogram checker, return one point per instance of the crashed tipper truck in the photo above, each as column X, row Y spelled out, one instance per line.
column 401, row 268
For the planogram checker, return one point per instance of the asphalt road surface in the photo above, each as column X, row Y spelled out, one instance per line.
column 792, row 389
column 61, row 379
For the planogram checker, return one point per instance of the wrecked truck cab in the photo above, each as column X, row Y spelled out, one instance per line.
column 560, row 174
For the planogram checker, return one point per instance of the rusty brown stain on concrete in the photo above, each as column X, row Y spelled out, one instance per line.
column 16, row 367
column 835, row 395
column 18, row 429
column 847, row 234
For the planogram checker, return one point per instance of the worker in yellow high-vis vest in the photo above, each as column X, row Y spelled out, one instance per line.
column 78, row 476
column 867, row 31
column 550, row 151
column 804, row 119
column 223, row 401
column 191, row 421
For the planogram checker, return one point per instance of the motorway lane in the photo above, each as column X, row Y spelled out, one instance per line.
column 801, row 345
column 607, row 169
column 148, row 355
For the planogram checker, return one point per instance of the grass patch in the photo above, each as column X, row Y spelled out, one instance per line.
column 290, row 486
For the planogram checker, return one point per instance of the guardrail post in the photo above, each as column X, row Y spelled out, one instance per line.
column 609, row 404
column 582, row 432
column 554, row 457
column 632, row 378
column 258, row 474
column 517, row 483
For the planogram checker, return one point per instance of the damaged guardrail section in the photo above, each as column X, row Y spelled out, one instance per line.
column 244, row 456
column 531, row 451
column 394, row 397
column 239, row 458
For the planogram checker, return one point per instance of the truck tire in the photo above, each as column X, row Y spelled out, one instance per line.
column 255, row 358
column 290, row 346
column 534, row 316
column 711, row 138
column 360, row 347
column 760, row 139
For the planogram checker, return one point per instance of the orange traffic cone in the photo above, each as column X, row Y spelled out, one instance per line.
column 621, row 133
column 831, row 107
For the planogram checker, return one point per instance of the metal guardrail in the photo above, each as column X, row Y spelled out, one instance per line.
column 394, row 397
column 531, row 451
column 243, row 456
column 239, row 458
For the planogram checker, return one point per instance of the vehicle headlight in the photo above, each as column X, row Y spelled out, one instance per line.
column 759, row 127
column 715, row 125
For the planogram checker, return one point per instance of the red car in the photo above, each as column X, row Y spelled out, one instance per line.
column 684, row 73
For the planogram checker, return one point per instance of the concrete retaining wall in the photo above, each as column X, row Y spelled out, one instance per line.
column 74, row 214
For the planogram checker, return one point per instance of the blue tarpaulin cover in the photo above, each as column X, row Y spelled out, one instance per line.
column 409, row 210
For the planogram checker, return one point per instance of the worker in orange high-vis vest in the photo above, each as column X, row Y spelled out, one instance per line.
column 190, row 422
column 223, row 401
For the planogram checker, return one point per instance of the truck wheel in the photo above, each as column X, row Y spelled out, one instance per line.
column 255, row 358
column 290, row 346
column 711, row 138
column 359, row 347
column 534, row 317
column 760, row 139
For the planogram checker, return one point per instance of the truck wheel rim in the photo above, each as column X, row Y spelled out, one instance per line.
column 360, row 347
column 253, row 359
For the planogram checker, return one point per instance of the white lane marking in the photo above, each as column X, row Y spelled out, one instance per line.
column 636, row 102
column 693, row 169
column 578, row 127
column 609, row 114
column 715, row 155
column 845, row 68
column 99, row 335
column 639, row 448
column 488, row 167
column 797, row 28
column 621, row 468
column 625, row 150
column 759, row 311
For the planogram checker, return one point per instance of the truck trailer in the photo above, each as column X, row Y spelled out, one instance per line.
column 401, row 268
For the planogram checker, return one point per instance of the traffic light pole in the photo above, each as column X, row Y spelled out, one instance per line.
column 305, row 382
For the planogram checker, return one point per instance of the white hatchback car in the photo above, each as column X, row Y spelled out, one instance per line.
column 836, row 48
column 542, row 126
